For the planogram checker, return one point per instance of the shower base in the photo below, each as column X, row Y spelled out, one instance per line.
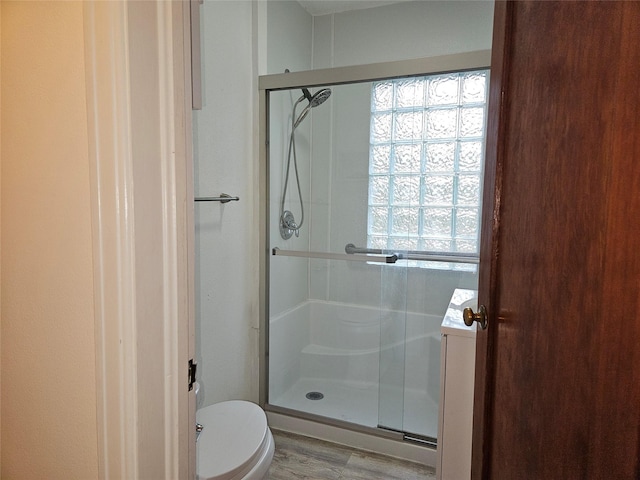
column 359, row 404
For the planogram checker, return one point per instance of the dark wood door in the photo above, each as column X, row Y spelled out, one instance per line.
column 558, row 369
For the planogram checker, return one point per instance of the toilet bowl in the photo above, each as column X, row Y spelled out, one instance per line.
column 235, row 442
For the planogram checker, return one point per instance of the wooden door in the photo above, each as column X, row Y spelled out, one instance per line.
column 558, row 369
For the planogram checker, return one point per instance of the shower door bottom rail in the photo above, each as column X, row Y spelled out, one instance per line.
column 336, row 256
column 424, row 440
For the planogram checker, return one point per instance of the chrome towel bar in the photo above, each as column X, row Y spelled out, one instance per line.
column 419, row 255
column 335, row 256
column 223, row 198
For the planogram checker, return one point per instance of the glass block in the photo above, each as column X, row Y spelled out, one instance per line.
column 378, row 190
column 468, row 190
column 406, row 158
column 380, row 159
column 466, row 246
column 381, row 127
column 410, row 93
column 435, row 245
column 425, row 185
column 471, row 122
column 408, row 126
column 374, row 241
column 442, row 123
column 440, row 157
column 470, row 159
column 378, row 220
column 404, row 221
column 382, row 96
column 466, row 221
column 474, row 87
column 403, row 243
column 438, row 190
column 443, row 90
column 436, row 221
column 406, row 189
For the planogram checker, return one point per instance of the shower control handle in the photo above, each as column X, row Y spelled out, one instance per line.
column 481, row 317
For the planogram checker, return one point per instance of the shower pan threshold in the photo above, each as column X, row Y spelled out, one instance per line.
column 351, row 435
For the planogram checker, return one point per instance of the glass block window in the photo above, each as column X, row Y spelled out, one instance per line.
column 426, row 161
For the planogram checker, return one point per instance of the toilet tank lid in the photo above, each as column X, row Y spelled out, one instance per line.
column 234, row 435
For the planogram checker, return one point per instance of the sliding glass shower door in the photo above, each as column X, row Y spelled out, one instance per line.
column 338, row 313
column 392, row 356
column 334, row 313
column 373, row 205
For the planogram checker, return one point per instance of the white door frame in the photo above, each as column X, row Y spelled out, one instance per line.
column 139, row 118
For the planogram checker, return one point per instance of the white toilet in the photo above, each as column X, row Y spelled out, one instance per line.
column 235, row 442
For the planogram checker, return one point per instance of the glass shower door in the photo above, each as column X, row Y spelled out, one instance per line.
column 391, row 388
column 373, row 192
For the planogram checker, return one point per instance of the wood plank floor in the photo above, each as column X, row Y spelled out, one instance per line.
column 299, row 457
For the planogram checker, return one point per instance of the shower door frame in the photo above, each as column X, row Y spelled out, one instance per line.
column 476, row 60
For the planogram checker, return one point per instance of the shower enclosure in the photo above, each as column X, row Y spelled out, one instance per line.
column 358, row 188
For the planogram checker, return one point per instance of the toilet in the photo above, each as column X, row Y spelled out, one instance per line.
column 235, row 442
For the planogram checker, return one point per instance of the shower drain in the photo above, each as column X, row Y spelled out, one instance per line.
column 314, row 396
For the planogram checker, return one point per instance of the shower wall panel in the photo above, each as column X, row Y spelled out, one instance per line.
column 289, row 46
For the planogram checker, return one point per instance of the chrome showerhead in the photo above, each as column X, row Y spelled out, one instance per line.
column 314, row 100
column 319, row 97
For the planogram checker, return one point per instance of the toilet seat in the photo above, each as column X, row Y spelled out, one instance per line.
column 234, row 442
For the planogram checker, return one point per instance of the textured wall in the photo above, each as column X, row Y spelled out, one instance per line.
column 226, row 234
column 48, row 352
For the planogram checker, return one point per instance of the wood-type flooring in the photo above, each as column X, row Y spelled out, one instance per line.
column 300, row 457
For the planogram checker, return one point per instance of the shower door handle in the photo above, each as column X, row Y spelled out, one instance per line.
column 336, row 256
column 481, row 317
column 222, row 198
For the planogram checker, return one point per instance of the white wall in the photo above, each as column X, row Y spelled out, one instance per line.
column 401, row 31
column 289, row 39
column 48, row 346
column 227, row 234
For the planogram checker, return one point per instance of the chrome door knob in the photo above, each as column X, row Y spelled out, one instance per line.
column 481, row 317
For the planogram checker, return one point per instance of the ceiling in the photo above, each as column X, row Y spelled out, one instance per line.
column 324, row 7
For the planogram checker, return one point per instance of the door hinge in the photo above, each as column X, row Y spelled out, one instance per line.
column 193, row 366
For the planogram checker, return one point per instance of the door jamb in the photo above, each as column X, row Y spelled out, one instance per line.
column 120, row 309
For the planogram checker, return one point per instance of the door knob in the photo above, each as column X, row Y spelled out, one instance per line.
column 481, row 317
